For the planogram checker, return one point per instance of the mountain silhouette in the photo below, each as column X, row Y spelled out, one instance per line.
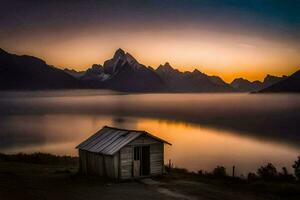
column 31, row 73
column 271, row 80
column 74, row 73
column 125, row 73
column 244, row 85
column 195, row 81
column 122, row 73
column 288, row 84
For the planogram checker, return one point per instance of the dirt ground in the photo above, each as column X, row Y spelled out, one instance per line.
column 32, row 181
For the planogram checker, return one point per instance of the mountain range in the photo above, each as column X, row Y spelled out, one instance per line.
column 289, row 84
column 124, row 73
column 244, row 85
column 31, row 73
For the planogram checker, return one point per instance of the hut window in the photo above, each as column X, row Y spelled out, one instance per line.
column 137, row 153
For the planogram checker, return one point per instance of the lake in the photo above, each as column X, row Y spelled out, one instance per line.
column 206, row 130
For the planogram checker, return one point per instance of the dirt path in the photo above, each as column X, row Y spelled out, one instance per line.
column 46, row 182
column 192, row 190
column 159, row 187
column 41, row 182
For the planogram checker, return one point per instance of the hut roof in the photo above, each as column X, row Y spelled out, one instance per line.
column 110, row 140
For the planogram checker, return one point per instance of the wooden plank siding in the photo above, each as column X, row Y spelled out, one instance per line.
column 156, row 159
column 97, row 164
column 126, row 160
column 156, row 156
column 120, row 165
column 143, row 140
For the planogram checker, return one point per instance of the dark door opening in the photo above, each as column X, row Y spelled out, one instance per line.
column 141, row 163
column 145, row 166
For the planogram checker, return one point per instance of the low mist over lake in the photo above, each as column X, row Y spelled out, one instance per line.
column 245, row 130
column 159, row 99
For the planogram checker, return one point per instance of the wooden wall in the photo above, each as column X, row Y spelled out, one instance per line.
column 156, row 156
column 98, row 164
column 126, row 160
column 121, row 164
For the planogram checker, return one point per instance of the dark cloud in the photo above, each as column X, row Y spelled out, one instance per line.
column 262, row 17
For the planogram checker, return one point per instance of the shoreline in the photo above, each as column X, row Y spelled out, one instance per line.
column 60, row 180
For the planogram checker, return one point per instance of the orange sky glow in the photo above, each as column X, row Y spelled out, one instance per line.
column 231, row 40
column 228, row 56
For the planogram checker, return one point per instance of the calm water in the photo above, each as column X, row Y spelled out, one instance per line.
column 206, row 130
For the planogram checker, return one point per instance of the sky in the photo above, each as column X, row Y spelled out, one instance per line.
column 228, row 38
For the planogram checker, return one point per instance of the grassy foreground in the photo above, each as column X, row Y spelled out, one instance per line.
column 44, row 176
column 227, row 187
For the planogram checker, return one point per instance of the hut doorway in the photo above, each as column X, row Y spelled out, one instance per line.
column 141, row 163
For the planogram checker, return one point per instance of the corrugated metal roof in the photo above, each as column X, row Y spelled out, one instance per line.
column 110, row 140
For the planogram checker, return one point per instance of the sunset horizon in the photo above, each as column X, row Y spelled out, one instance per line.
column 229, row 38
column 150, row 99
column 229, row 79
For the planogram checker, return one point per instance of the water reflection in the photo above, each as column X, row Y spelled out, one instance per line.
column 194, row 147
column 264, row 116
column 197, row 147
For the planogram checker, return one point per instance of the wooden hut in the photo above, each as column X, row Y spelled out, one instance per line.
column 122, row 154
